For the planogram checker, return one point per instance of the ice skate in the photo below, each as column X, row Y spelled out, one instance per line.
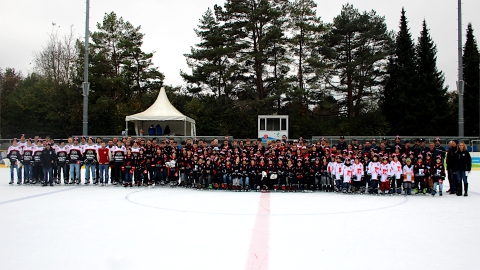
column 11, row 182
column 19, row 182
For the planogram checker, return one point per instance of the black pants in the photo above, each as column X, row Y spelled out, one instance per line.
column 452, row 179
column 117, row 172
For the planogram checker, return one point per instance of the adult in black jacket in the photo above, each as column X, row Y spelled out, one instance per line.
column 463, row 166
column 452, row 174
column 47, row 158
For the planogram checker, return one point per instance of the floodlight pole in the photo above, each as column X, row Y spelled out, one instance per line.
column 86, row 84
column 460, row 82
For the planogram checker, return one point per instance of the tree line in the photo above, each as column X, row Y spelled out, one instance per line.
column 351, row 76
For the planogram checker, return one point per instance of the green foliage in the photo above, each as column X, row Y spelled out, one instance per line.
column 400, row 89
column 471, row 76
column 431, row 95
column 356, row 49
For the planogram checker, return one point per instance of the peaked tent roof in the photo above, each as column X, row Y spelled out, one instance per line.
column 161, row 110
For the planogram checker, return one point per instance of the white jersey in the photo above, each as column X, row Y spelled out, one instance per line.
column 408, row 173
column 338, row 170
column 347, row 173
column 14, row 153
column 331, row 167
column 374, row 169
column 396, row 168
column 22, row 144
column 358, row 171
column 386, row 171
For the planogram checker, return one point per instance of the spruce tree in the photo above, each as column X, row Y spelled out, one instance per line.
column 397, row 100
column 430, row 99
column 471, row 76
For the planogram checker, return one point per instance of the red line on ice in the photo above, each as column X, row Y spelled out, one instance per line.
column 259, row 249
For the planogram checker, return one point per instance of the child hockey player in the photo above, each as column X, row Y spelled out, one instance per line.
column 290, row 176
column 438, row 175
column 374, row 173
column 280, row 175
column 428, row 180
column 338, row 173
column 408, row 176
column 128, row 168
column 358, row 175
column 396, row 184
column 386, row 173
column 300, row 175
column 208, row 173
column 347, row 175
column 237, row 174
column 421, row 173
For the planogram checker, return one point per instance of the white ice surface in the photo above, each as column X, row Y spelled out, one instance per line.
column 94, row 227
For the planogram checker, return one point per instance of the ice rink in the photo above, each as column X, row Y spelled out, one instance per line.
column 93, row 227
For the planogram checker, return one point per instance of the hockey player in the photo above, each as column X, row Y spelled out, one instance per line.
column 28, row 151
column 172, row 169
column 347, row 176
column 252, row 173
column 208, row 173
column 358, row 172
column 62, row 153
column 290, row 178
column 396, row 184
column 37, row 163
column 128, row 167
column 262, row 174
column 118, row 154
column 272, row 175
column 48, row 158
column 421, row 174
column 135, row 152
column 196, row 171
column 237, row 174
column 338, row 173
column 438, row 175
column 300, row 176
column 408, row 176
column 386, row 174
column 141, row 169
column 14, row 155
column 374, row 174
column 317, row 170
column 75, row 159
column 280, row 167
column 90, row 160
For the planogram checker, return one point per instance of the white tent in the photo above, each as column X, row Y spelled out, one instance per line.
column 162, row 112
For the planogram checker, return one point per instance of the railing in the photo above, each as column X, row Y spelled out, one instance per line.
column 469, row 141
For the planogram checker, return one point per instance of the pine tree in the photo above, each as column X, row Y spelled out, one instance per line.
column 356, row 50
column 397, row 99
column 430, row 99
column 471, row 76
column 210, row 60
column 306, row 29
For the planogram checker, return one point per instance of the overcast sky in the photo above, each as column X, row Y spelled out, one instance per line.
column 168, row 25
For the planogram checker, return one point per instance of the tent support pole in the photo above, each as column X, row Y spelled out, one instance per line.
column 126, row 128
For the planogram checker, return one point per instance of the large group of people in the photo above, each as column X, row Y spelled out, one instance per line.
column 407, row 168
